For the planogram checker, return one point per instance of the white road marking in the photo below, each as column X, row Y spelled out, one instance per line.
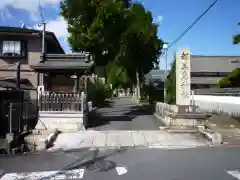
column 121, row 170
column 235, row 174
column 50, row 175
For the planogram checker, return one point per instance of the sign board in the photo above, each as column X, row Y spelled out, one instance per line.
column 183, row 77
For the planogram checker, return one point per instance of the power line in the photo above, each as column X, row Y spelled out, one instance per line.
column 191, row 25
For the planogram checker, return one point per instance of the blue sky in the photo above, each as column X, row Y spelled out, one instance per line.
column 211, row 36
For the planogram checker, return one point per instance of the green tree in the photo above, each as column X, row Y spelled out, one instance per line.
column 95, row 26
column 236, row 38
column 140, row 45
column 117, row 76
column 171, row 84
column 233, row 79
column 117, row 32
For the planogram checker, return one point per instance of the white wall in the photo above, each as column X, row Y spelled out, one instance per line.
column 228, row 105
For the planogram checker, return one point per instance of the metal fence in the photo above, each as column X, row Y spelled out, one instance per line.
column 22, row 116
column 58, row 101
column 218, row 91
column 18, row 112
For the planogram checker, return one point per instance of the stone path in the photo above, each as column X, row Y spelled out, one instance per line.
column 112, row 139
column 124, row 114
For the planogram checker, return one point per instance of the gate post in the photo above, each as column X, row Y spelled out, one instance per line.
column 82, row 103
column 9, row 136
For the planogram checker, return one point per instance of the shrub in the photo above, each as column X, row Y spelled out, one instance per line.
column 233, row 80
column 98, row 92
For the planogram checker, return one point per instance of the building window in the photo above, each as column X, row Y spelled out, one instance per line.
column 223, row 74
column 13, row 49
column 209, row 74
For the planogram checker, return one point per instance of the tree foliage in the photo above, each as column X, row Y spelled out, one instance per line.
column 118, row 33
column 94, row 26
column 117, row 76
column 171, row 84
column 140, row 45
column 236, row 38
column 233, row 79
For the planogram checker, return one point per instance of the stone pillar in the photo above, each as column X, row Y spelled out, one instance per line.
column 183, row 80
column 74, row 77
column 78, row 83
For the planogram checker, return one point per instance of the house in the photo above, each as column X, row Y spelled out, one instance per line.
column 24, row 45
column 206, row 71
column 58, row 73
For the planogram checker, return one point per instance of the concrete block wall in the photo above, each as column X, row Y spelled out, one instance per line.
column 63, row 121
column 226, row 105
column 162, row 110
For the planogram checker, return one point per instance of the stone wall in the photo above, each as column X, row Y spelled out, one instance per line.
column 166, row 113
column 227, row 105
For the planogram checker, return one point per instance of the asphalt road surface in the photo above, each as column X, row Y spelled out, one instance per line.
column 218, row 163
column 124, row 114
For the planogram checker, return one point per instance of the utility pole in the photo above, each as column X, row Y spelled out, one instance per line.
column 43, row 41
column 43, row 54
column 18, row 76
column 20, row 95
column 165, row 51
column 138, row 86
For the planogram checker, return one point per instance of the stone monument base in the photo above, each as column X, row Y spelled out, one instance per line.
column 185, row 117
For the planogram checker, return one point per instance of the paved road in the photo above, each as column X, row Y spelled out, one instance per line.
column 219, row 163
column 124, row 114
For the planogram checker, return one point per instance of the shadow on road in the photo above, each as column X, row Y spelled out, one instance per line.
column 119, row 112
column 106, row 103
column 140, row 110
column 98, row 119
column 95, row 162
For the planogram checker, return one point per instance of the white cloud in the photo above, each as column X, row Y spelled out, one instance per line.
column 28, row 5
column 4, row 15
column 59, row 27
column 158, row 20
column 31, row 6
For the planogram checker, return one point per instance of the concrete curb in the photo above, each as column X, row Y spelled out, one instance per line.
column 214, row 137
column 182, row 130
column 159, row 118
column 174, row 130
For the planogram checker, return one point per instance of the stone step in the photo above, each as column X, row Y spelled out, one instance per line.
column 181, row 129
column 65, row 114
column 58, row 120
column 68, row 127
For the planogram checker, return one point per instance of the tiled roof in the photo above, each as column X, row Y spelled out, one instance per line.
column 156, row 74
column 7, row 29
column 64, row 61
column 12, row 85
